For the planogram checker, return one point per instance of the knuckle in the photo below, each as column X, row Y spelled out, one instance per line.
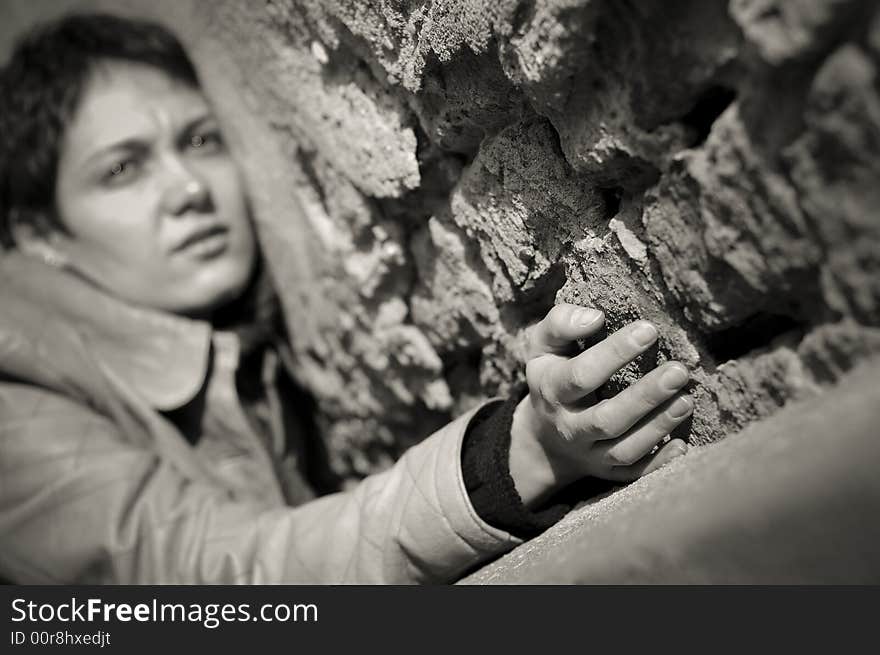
column 622, row 455
column 578, row 375
column 533, row 372
column 532, row 341
column 655, row 396
column 647, row 396
column 620, row 348
column 600, row 421
column 546, row 390
column 566, row 428
column 539, row 389
column 663, row 424
column 533, row 332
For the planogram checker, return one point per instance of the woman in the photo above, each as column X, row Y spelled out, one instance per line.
column 148, row 430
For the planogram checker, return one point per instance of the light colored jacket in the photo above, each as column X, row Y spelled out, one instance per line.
column 97, row 485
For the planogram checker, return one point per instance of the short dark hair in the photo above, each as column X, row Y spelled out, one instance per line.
column 41, row 87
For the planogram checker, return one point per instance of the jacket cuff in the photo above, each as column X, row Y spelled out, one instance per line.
column 486, row 472
column 435, row 472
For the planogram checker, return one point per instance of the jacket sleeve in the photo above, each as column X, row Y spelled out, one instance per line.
column 79, row 504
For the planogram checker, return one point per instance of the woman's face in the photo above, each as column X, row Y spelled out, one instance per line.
column 152, row 202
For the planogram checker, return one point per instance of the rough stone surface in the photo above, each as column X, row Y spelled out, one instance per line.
column 430, row 177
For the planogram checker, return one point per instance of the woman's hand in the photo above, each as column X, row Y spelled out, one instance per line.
column 561, row 434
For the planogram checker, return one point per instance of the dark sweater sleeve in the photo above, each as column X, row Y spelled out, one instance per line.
column 486, row 469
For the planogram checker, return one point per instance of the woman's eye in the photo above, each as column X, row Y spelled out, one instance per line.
column 121, row 171
column 206, row 141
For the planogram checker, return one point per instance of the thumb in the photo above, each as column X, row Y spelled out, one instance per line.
column 561, row 327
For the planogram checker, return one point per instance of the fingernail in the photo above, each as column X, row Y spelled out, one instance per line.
column 681, row 407
column 679, row 450
column 644, row 333
column 582, row 317
column 674, row 377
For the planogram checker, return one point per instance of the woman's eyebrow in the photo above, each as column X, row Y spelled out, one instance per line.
column 193, row 123
column 140, row 144
column 131, row 144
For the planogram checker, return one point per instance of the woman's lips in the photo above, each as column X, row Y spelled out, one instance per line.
column 205, row 241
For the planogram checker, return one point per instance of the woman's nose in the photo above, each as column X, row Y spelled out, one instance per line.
column 186, row 191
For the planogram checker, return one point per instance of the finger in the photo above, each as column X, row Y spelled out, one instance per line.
column 562, row 325
column 642, row 439
column 612, row 417
column 574, row 378
column 649, row 463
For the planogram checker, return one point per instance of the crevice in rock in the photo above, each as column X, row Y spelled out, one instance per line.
column 754, row 333
column 461, row 351
column 533, row 305
column 461, row 370
column 537, row 301
column 523, row 15
column 466, row 99
column 611, row 198
column 439, row 172
column 710, row 104
column 556, row 139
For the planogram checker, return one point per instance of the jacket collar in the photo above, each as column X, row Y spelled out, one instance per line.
column 162, row 357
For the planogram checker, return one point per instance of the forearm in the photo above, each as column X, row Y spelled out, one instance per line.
column 420, row 514
column 125, row 514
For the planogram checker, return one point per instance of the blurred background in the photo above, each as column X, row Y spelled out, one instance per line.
column 428, row 178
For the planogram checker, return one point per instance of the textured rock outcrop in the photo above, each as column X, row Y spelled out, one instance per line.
column 430, row 177
column 710, row 166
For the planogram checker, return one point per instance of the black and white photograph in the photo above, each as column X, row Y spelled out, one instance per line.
column 435, row 292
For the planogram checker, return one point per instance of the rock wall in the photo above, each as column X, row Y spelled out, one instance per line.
column 430, row 177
